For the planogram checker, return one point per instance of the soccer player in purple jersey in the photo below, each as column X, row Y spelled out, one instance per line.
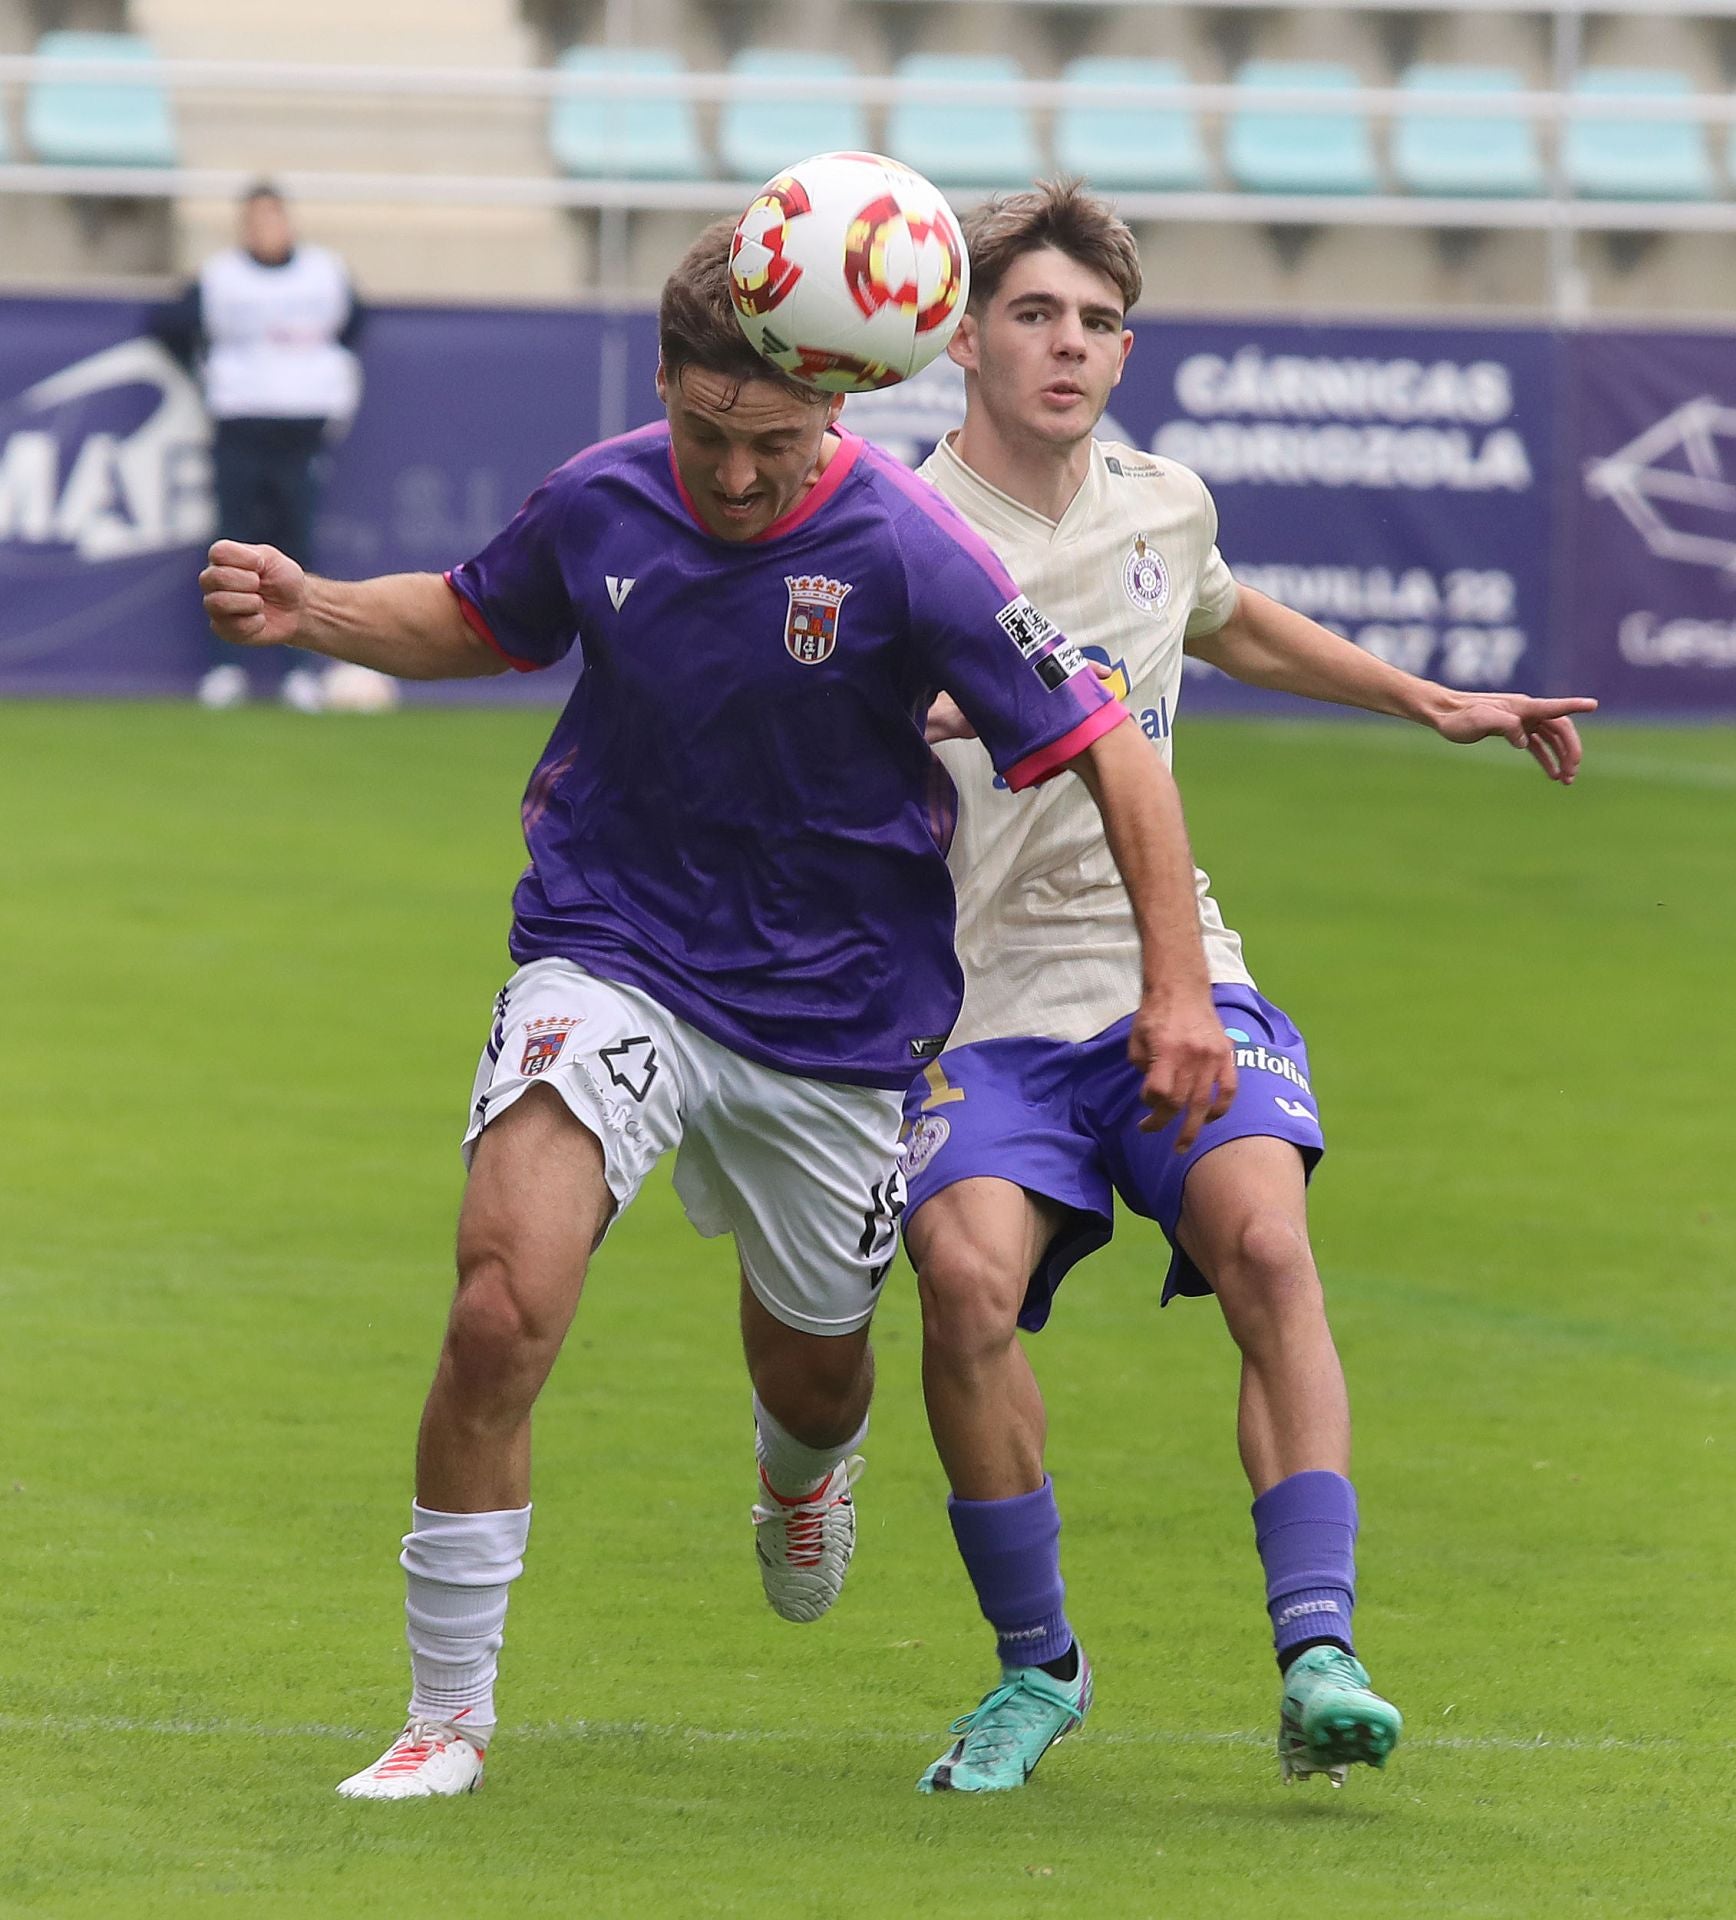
column 1022, row 1132
column 734, row 937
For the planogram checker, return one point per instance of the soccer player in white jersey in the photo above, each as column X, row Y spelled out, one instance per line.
column 1018, row 1136
column 733, row 936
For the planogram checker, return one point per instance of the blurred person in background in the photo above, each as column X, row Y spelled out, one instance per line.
column 269, row 326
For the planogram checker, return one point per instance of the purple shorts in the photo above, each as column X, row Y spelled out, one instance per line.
column 1062, row 1120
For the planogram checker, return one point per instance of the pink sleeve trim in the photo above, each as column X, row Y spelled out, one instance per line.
column 1048, row 761
column 474, row 621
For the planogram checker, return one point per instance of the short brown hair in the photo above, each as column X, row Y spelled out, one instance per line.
column 696, row 323
column 1053, row 213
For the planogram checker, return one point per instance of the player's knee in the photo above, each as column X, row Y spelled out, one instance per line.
column 970, row 1303
column 492, row 1339
column 816, row 1389
column 1267, row 1270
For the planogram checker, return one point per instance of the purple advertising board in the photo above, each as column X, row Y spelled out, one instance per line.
column 1394, row 483
column 1648, row 592
column 1489, row 506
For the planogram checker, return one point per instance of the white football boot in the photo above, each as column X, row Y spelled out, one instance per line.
column 804, row 1545
column 429, row 1758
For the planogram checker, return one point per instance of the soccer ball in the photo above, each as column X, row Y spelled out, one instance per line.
column 849, row 272
column 347, row 688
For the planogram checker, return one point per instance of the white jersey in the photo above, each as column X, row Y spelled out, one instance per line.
column 1046, row 934
column 273, row 350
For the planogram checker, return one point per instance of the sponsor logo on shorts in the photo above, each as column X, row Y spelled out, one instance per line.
column 1146, row 578
column 616, row 1115
column 632, row 1064
column 930, row 1047
column 928, row 1134
column 1262, row 1060
column 543, row 1041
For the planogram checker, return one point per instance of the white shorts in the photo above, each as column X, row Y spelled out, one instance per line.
column 804, row 1173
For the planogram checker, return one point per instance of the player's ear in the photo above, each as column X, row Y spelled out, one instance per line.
column 962, row 347
column 834, row 407
column 1126, row 349
column 662, row 382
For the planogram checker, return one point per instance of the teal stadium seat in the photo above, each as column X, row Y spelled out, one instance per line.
column 758, row 137
column 1313, row 149
column 100, row 123
column 963, row 143
column 1636, row 159
column 624, row 136
column 1139, row 149
column 1445, row 150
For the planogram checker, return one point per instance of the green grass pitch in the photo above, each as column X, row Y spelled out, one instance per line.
column 245, row 965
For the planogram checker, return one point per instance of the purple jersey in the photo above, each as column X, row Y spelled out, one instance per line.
column 736, row 811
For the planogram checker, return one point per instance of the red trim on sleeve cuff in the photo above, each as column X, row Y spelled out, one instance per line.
column 1048, row 761
column 474, row 621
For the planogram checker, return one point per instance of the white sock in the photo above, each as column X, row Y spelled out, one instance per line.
column 458, row 1567
column 793, row 1467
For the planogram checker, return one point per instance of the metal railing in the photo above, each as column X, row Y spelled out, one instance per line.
column 1558, row 214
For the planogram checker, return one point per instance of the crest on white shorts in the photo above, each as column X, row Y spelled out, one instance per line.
column 1145, row 577
column 928, row 1134
column 543, row 1041
column 811, row 626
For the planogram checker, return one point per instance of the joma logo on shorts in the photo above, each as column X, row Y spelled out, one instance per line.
column 1263, row 1062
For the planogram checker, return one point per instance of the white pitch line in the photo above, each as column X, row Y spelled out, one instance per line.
column 69, row 1725
column 1610, row 763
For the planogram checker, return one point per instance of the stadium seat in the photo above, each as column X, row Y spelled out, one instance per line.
column 99, row 123
column 963, row 142
column 1636, row 159
column 756, row 137
column 1149, row 149
column 1305, row 149
column 1446, row 150
column 625, row 136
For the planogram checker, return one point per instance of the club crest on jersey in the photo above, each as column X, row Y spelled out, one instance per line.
column 1145, row 577
column 543, row 1040
column 811, row 627
column 929, row 1132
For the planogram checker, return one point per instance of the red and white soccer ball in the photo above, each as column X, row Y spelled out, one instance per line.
column 849, row 272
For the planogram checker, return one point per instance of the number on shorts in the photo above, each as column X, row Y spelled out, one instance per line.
column 879, row 1240
column 941, row 1091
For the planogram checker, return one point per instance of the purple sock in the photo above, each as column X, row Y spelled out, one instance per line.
column 1012, row 1552
column 1305, row 1528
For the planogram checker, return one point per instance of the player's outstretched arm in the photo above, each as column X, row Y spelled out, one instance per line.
column 1177, row 1039
column 1270, row 645
column 405, row 624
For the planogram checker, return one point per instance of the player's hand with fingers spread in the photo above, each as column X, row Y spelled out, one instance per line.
column 1178, row 1042
column 254, row 596
column 1544, row 728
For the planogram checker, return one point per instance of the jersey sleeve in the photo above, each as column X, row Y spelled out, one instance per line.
column 1023, row 685
column 1215, row 597
column 514, row 593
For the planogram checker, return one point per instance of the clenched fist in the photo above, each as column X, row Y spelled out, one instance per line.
column 254, row 596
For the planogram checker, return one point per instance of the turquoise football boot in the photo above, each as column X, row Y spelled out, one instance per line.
column 1001, row 1740
column 1330, row 1719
